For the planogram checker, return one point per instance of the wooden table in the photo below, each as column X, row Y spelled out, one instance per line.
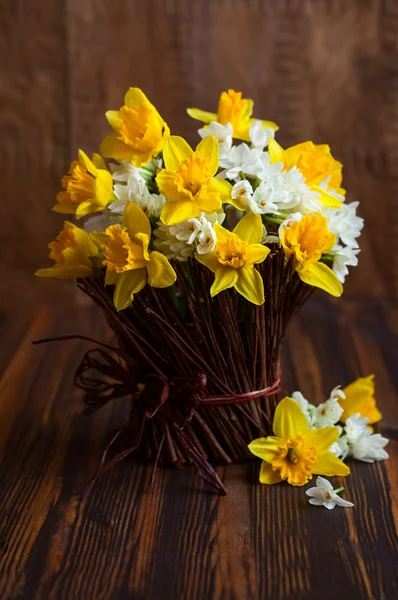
column 182, row 541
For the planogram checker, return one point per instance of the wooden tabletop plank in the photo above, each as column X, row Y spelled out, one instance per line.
column 181, row 540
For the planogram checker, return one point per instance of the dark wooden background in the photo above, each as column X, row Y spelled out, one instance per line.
column 325, row 70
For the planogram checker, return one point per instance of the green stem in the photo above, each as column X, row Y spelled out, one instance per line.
column 273, row 219
column 341, row 489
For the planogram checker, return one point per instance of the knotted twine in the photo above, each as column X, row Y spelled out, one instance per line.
column 107, row 373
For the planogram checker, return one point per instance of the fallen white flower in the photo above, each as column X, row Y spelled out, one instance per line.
column 370, row 447
column 324, row 495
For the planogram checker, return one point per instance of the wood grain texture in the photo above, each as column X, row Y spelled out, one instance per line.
column 323, row 69
column 181, row 540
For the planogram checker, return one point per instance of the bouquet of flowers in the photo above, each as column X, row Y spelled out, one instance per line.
column 198, row 258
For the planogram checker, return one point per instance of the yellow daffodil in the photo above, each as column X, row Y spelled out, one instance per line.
column 188, row 181
column 316, row 164
column 88, row 187
column 359, row 398
column 295, row 452
column 306, row 240
column 129, row 264
column 140, row 131
column 234, row 109
column 71, row 252
column 234, row 256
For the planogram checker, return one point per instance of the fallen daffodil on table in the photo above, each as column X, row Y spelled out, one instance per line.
column 295, row 453
column 324, row 495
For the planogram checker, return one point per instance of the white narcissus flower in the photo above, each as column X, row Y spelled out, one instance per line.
column 222, row 133
column 369, row 447
column 337, row 393
column 259, row 136
column 344, row 257
column 345, row 223
column 266, row 198
column 301, row 198
column 167, row 244
column 241, row 159
column 355, row 426
column 327, row 413
column 123, row 171
column 324, row 495
column 269, row 170
column 136, row 191
column 243, row 191
column 306, row 407
column 180, row 241
column 340, row 448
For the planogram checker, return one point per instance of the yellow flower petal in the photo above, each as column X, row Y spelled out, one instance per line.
column 266, row 124
column 225, row 277
column 113, row 119
column 113, row 147
column 201, row 115
column 321, row 439
column 207, row 201
column 86, row 208
column 268, row 475
column 64, row 209
column 208, row 149
column 208, row 260
column 175, row 151
column 160, row 272
column 222, row 234
column 99, row 162
column 360, row 398
column 276, row 152
column 289, row 420
column 265, row 448
column 176, row 212
column 327, row 199
column 128, row 284
column 221, row 187
column 135, row 97
column 250, row 285
column 320, row 275
column 135, row 220
column 256, row 253
column 250, row 228
column 328, row 464
column 110, row 277
column 91, row 168
column 166, row 181
column 65, row 272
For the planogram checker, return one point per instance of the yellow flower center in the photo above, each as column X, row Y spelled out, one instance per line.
column 192, row 174
column 294, row 461
column 141, row 128
column 122, row 253
column 308, row 239
column 65, row 239
column 231, row 108
column 315, row 165
column 78, row 184
column 232, row 252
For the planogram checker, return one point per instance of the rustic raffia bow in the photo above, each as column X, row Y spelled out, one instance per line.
column 107, row 373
